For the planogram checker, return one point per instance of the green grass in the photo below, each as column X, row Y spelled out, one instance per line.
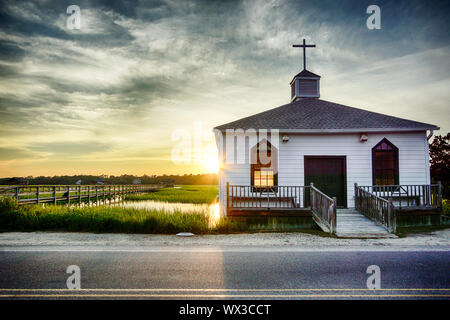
column 184, row 194
column 103, row 219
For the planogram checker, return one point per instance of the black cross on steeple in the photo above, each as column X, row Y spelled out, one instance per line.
column 304, row 46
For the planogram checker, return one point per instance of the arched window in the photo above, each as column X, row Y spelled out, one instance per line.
column 385, row 164
column 264, row 166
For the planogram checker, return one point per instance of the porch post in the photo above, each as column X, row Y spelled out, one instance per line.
column 228, row 201
column 333, row 218
column 392, row 218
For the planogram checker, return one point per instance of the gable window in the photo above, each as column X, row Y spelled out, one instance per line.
column 385, row 164
column 264, row 168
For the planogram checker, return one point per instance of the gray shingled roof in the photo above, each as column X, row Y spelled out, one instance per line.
column 313, row 114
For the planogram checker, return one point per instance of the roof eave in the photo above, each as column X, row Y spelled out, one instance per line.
column 344, row 130
column 304, row 78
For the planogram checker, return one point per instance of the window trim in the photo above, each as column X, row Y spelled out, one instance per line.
column 396, row 161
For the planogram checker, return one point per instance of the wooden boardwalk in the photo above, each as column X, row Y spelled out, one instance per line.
column 352, row 224
column 31, row 194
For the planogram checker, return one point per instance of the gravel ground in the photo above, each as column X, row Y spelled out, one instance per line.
column 439, row 238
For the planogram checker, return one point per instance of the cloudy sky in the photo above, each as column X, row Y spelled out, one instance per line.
column 113, row 96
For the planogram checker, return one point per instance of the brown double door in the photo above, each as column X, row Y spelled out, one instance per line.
column 328, row 173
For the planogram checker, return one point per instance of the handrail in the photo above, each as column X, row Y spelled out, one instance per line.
column 376, row 208
column 323, row 194
column 374, row 195
column 323, row 209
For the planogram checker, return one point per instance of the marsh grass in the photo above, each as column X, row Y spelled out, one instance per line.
column 106, row 218
column 185, row 194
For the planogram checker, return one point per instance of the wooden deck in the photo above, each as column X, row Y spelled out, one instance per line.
column 378, row 210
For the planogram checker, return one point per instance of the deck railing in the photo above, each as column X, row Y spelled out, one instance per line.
column 375, row 208
column 323, row 209
column 244, row 196
column 44, row 193
column 427, row 195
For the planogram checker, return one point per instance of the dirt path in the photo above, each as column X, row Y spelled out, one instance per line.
column 439, row 238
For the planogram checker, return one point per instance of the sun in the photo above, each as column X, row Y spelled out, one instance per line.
column 211, row 164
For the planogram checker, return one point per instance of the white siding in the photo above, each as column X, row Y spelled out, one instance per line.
column 413, row 159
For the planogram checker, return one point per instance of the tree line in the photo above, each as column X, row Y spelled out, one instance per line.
column 208, row 178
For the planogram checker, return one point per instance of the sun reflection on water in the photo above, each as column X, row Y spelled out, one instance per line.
column 214, row 214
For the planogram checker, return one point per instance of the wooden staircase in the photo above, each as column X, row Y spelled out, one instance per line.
column 352, row 224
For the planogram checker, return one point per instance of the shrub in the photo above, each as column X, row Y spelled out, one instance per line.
column 8, row 213
column 446, row 207
column 8, row 204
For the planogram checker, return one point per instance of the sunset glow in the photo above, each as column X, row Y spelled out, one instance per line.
column 212, row 165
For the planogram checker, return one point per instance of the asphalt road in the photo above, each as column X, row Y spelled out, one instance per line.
column 218, row 273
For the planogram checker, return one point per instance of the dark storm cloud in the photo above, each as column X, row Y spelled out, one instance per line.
column 406, row 20
column 35, row 19
column 234, row 32
column 9, row 51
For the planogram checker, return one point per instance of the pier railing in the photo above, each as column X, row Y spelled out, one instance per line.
column 53, row 193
